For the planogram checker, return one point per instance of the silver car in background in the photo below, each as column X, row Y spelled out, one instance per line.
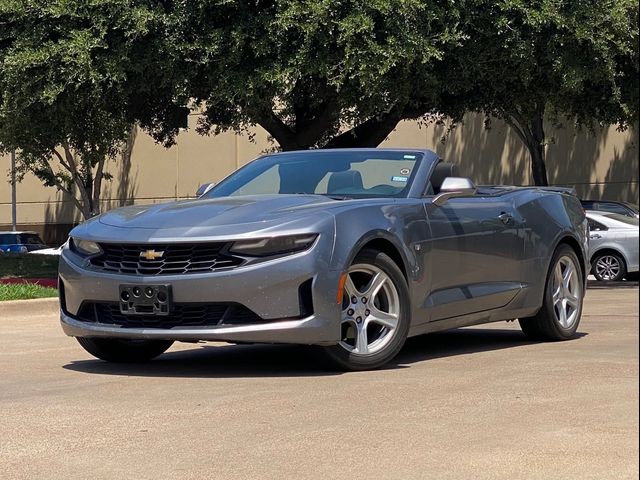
column 613, row 246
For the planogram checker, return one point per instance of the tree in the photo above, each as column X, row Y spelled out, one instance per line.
column 527, row 61
column 312, row 73
column 75, row 78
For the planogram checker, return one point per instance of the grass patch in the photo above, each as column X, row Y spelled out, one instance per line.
column 25, row 291
column 28, row 265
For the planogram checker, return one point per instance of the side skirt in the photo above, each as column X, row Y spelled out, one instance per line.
column 472, row 319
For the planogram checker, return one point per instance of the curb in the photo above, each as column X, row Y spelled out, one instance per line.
column 45, row 305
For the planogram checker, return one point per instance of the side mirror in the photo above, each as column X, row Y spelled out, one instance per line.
column 204, row 188
column 454, row 187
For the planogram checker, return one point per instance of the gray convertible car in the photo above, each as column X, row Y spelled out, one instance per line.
column 351, row 250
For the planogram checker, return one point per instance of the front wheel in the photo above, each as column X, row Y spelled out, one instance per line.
column 124, row 351
column 375, row 313
column 559, row 316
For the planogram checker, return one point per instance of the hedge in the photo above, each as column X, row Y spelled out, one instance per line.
column 28, row 265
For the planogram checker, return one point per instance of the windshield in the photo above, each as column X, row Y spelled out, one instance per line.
column 353, row 174
column 30, row 239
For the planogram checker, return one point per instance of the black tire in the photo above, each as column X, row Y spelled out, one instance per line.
column 546, row 324
column 122, row 350
column 346, row 360
column 613, row 257
column 631, row 276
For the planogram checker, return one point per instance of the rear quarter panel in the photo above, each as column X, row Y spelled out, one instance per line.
column 550, row 218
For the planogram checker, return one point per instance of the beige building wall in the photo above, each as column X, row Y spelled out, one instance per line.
column 603, row 164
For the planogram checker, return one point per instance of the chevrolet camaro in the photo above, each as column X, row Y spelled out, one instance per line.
column 350, row 250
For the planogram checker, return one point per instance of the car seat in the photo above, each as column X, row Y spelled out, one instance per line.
column 345, row 182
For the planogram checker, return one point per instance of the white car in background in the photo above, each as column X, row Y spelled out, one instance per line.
column 48, row 251
column 613, row 246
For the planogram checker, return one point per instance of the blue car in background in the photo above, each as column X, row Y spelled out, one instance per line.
column 20, row 242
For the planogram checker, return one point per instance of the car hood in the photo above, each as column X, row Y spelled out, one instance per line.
column 216, row 219
column 216, row 212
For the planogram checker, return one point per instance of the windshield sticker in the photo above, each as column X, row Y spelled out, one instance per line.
column 409, row 157
column 405, row 171
column 399, row 179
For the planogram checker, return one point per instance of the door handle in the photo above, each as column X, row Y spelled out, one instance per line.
column 595, row 235
column 505, row 217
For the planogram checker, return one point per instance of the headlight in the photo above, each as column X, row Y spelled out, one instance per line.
column 264, row 247
column 84, row 247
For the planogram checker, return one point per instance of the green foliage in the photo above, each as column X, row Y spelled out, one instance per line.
column 25, row 291
column 305, row 70
column 578, row 58
column 28, row 265
column 76, row 75
column 74, row 78
column 524, row 61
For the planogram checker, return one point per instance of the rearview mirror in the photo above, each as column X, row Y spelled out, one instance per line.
column 204, row 188
column 454, row 187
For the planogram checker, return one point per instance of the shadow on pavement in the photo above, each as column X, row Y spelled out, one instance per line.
column 298, row 361
column 462, row 341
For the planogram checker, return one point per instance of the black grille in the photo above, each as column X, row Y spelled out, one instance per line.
column 182, row 315
column 175, row 259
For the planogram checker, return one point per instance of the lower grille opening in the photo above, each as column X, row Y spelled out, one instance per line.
column 305, row 298
column 182, row 315
column 61, row 295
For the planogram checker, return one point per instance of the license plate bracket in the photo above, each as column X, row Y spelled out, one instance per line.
column 145, row 299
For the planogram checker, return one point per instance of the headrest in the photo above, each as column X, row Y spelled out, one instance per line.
column 345, row 182
column 442, row 171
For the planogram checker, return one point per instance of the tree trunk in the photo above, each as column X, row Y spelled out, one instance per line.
column 370, row 133
column 538, row 166
column 530, row 129
column 76, row 172
column 537, row 149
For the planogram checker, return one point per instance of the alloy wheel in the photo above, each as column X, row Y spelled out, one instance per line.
column 608, row 267
column 567, row 291
column 370, row 310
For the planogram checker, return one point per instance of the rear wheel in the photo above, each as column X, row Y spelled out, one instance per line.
column 609, row 267
column 559, row 316
column 375, row 313
column 122, row 350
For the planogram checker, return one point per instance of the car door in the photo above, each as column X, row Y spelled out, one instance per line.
column 598, row 235
column 476, row 253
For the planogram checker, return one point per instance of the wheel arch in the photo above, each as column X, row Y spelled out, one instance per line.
column 575, row 246
column 382, row 242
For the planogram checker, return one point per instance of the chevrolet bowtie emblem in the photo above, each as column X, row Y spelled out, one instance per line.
column 151, row 254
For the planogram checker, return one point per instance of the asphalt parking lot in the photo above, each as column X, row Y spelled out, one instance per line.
column 472, row 403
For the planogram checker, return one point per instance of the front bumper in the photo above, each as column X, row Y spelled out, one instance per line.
column 313, row 330
column 270, row 289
